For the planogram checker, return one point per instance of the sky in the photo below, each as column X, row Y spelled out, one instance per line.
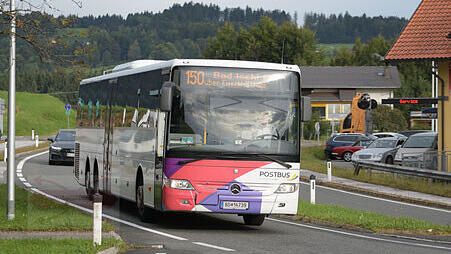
column 400, row 8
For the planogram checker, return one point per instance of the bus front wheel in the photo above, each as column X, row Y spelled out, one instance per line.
column 145, row 213
column 253, row 219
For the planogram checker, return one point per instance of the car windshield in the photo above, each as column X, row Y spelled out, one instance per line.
column 419, row 142
column 65, row 136
column 380, row 143
column 235, row 110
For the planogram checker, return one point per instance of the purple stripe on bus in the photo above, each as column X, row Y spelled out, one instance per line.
column 171, row 166
column 212, row 202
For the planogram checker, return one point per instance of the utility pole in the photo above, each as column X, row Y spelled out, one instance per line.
column 11, row 115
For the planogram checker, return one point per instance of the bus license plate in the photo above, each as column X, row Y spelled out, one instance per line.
column 235, row 205
column 70, row 154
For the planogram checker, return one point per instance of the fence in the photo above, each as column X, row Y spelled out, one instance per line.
column 395, row 169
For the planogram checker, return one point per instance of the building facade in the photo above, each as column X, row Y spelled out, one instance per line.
column 427, row 37
column 331, row 88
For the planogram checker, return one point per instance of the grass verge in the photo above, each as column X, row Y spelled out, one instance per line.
column 379, row 223
column 312, row 159
column 44, row 113
column 60, row 246
column 26, row 149
column 36, row 213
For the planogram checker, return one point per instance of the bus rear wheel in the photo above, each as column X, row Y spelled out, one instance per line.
column 253, row 219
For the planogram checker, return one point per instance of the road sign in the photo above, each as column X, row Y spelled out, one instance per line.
column 67, row 107
column 429, row 113
column 414, row 101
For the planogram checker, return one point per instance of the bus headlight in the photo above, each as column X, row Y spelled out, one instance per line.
column 178, row 184
column 287, row 188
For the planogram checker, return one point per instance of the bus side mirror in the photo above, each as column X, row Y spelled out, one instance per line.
column 167, row 92
column 306, row 106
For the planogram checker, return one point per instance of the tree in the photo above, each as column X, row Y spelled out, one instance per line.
column 387, row 119
column 44, row 33
column 267, row 42
column 134, row 51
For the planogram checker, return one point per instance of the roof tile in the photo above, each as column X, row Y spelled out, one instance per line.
column 424, row 37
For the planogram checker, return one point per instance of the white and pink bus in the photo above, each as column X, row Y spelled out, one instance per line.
column 204, row 136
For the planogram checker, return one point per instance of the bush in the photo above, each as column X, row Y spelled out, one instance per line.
column 308, row 131
column 387, row 119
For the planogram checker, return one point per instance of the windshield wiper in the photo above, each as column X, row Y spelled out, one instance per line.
column 188, row 161
column 227, row 155
column 286, row 165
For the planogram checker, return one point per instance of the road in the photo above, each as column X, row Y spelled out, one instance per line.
column 201, row 233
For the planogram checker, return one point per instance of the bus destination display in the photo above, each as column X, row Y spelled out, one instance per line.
column 225, row 78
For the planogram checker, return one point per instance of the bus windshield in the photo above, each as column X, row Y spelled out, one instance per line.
column 230, row 110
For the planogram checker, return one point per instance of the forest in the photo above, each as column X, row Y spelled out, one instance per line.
column 194, row 30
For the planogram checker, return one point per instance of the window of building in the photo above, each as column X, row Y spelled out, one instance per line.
column 319, row 110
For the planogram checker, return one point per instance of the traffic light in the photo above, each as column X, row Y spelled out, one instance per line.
column 365, row 102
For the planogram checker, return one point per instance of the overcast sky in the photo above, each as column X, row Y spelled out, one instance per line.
column 400, row 8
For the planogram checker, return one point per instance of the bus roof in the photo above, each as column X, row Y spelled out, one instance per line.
column 149, row 65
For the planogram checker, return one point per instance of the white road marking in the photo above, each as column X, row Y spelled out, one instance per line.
column 19, row 174
column 213, row 246
column 381, row 199
column 27, row 184
column 109, row 216
column 357, row 235
column 22, row 162
column 22, row 179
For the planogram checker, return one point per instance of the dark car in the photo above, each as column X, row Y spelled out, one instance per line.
column 62, row 148
column 346, row 152
column 343, row 139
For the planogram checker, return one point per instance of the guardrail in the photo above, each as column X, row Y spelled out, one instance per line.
column 419, row 172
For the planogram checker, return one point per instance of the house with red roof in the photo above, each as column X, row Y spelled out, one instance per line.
column 427, row 37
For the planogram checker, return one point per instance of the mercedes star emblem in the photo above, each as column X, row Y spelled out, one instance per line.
column 235, row 188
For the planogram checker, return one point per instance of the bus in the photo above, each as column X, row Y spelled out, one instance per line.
column 207, row 136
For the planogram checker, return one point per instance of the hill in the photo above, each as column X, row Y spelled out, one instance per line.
column 44, row 113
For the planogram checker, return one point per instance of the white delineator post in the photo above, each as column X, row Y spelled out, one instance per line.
column 5, row 153
column 97, row 215
column 312, row 189
column 32, row 134
column 329, row 170
column 37, row 140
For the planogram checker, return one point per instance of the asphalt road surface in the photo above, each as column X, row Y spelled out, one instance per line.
column 208, row 233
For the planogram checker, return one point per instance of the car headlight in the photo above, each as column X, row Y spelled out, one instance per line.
column 287, row 188
column 56, row 148
column 178, row 184
column 378, row 156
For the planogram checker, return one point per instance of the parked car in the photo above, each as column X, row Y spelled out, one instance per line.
column 389, row 134
column 380, row 150
column 62, row 148
column 417, row 147
column 343, row 139
column 346, row 152
column 409, row 133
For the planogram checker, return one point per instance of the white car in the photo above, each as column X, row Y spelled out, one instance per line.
column 389, row 134
column 380, row 150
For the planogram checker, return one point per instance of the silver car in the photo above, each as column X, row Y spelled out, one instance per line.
column 419, row 150
column 380, row 150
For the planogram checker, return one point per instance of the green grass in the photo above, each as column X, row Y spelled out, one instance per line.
column 60, row 246
column 368, row 220
column 312, row 158
column 44, row 113
column 36, row 213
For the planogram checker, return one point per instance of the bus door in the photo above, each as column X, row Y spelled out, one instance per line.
column 108, row 139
